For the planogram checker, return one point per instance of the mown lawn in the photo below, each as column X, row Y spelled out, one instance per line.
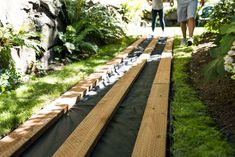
column 195, row 134
column 17, row 106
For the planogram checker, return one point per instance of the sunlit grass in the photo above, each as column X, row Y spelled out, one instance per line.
column 194, row 132
column 17, row 106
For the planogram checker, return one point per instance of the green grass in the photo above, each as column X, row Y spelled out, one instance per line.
column 194, row 132
column 17, row 106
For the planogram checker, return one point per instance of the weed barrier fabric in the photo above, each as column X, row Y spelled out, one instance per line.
column 53, row 138
column 120, row 135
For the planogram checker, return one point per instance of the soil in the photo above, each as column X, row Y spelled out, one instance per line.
column 218, row 94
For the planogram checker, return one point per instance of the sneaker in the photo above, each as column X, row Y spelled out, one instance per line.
column 164, row 34
column 190, row 41
column 183, row 42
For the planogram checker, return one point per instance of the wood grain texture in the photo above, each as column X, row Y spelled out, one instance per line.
column 152, row 135
column 85, row 136
column 19, row 140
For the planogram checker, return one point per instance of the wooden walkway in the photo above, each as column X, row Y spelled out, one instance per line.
column 151, row 139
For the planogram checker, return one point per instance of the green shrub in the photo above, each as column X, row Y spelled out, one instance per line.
column 221, row 15
column 9, row 38
column 226, row 37
column 93, row 26
column 9, row 79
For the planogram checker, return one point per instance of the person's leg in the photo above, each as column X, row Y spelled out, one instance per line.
column 161, row 18
column 191, row 26
column 183, row 26
column 191, row 14
column 154, row 15
column 182, row 19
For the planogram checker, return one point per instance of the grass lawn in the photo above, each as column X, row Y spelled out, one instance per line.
column 194, row 132
column 17, row 106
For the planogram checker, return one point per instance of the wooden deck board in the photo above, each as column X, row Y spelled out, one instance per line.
column 85, row 136
column 152, row 135
column 18, row 140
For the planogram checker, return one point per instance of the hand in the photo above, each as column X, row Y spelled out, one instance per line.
column 202, row 2
column 171, row 3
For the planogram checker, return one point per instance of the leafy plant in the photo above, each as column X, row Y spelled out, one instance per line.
column 73, row 42
column 131, row 10
column 221, row 15
column 95, row 25
column 216, row 67
column 73, row 9
column 9, row 79
column 10, row 38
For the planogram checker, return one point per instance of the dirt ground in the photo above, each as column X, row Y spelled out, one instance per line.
column 218, row 94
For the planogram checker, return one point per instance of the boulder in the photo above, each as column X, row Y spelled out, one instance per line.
column 44, row 16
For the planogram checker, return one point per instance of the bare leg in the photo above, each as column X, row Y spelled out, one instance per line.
column 191, row 26
column 183, row 28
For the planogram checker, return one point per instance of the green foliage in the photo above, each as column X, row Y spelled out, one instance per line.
column 93, row 26
column 216, row 67
column 73, row 9
column 221, row 15
column 9, row 79
column 131, row 10
column 104, row 19
column 73, row 41
column 169, row 11
column 10, row 38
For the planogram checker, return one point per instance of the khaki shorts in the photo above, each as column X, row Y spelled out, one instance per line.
column 186, row 10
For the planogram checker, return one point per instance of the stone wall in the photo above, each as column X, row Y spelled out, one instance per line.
column 46, row 17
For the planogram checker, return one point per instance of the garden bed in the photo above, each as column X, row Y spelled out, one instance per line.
column 218, row 94
column 194, row 132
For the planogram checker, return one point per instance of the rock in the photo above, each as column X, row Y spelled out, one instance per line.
column 45, row 15
column 23, row 57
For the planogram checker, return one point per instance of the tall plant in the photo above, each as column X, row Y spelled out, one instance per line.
column 73, row 8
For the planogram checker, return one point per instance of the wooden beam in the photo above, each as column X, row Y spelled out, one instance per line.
column 85, row 136
column 152, row 135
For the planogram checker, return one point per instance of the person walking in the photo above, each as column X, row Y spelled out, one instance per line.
column 157, row 9
column 186, row 13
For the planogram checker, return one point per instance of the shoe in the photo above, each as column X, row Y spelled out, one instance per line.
column 190, row 41
column 164, row 34
column 183, row 42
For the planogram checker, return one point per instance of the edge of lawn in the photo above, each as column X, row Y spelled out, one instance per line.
column 194, row 133
column 19, row 105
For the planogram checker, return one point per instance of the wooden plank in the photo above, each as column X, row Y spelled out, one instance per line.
column 169, row 45
column 22, row 137
column 85, row 136
column 19, row 140
column 119, row 58
column 164, row 70
column 151, row 138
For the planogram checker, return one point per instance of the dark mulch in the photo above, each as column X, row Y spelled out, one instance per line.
column 218, row 94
